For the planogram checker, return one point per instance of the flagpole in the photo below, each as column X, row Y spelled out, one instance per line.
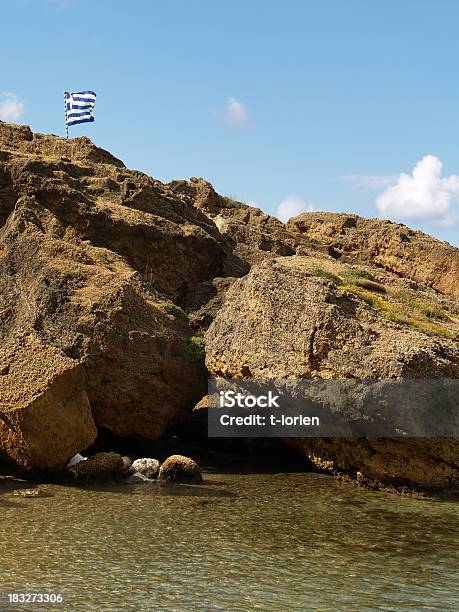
column 65, row 117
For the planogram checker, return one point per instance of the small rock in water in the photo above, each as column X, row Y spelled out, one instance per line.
column 128, row 468
column 28, row 493
column 178, row 468
column 147, row 467
column 138, row 478
column 101, row 465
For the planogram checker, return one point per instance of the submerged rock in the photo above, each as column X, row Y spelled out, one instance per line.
column 180, row 469
column 147, row 467
column 128, row 469
column 138, row 478
column 29, row 493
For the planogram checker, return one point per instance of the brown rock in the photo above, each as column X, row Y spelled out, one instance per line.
column 90, row 304
column 281, row 321
column 87, row 193
column 90, row 253
column 426, row 463
column 95, row 260
column 99, row 466
column 128, row 470
column 390, row 245
column 180, row 469
column 45, row 416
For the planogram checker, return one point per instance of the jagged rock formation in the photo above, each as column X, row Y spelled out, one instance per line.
column 107, row 274
column 390, row 245
column 90, row 257
column 283, row 321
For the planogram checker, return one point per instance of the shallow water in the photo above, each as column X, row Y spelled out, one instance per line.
column 240, row 542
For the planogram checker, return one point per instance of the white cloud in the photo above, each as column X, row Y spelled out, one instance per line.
column 370, row 181
column 291, row 207
column 11, row 108
column 424, row 195
column 235, row 113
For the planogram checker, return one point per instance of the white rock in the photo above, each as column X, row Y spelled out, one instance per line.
column 74, row 460
column 147, row 467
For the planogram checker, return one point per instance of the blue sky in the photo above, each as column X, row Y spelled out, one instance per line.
column 301, row 104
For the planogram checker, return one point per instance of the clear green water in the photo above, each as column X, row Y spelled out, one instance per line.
column 240, row 542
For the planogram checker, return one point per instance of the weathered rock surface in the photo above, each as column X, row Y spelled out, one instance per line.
column 249, row 233
column 390, row 245
column 96, row 259
column 88, row 194
column 426, row 463
column 282, row 321
column 45, row 416
column 90, row 254
column 180, row 469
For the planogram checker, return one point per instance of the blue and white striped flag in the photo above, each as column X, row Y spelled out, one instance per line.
column 78, row 107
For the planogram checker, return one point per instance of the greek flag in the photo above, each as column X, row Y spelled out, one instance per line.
column 78, row 107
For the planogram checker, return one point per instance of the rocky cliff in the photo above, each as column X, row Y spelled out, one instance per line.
column 92, row 257
column 109, row 280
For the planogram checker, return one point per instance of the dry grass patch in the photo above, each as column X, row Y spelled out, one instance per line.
column 400, row 313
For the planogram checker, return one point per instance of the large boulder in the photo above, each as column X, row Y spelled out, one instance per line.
column 45, row 416
column 92, row 258
column 96, row 309
column 289, row 319
column 284, row 321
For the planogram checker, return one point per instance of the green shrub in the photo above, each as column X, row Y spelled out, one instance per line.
column 397, row 313
column 230, row 202
column 367, row 296
column 432, row 329
column 195, row 349
column 358, row 273
column 362, row 278
column 369, row 284
column 431, row 311
column 174, row 311
column 316, row 271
